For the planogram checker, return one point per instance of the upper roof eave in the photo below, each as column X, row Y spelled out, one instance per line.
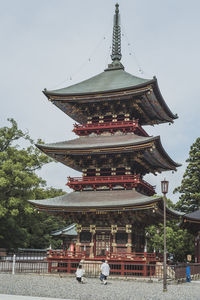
column 162, row 101
column 67, row 146
column 131, row 141
column 166, row 154
column 49, row 93
column 97, row 199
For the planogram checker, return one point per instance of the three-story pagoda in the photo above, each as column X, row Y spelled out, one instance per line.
column 111, row 203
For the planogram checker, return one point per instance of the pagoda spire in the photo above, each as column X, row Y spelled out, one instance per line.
column 116, row 42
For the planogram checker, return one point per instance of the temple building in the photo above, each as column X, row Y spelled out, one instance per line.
column 111, row 204
column 191, row 222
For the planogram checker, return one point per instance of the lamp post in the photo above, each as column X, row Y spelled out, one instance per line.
column 164, row 189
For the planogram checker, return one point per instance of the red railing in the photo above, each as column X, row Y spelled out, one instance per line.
column 59, row 254
column 79, row 183
column 125, row 126
column 133, row 264
column 133, row 256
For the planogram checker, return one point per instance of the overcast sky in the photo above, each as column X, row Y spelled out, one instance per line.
column 53, row 44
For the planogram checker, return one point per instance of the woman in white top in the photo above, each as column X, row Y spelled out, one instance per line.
column 79, row 274
column 105, row 271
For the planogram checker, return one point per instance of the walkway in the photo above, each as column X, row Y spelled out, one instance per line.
column 14, row 297
column 53, row 287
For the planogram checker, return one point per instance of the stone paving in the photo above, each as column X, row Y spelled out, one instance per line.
column 68, row 288
column 14, row 297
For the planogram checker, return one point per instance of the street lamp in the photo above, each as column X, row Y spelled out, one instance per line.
column 164, row 189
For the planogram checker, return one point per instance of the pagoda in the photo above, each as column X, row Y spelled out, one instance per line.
column 111, row 204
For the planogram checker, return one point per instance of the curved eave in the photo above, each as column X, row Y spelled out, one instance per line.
column 86, row 95
column 98, row 142
column 168, row 158
column 98, row 200
column 193, row 217
column 157, row 156
column 67, row 231
column 174, row 213
column 191, row 222
column 171, row 214
column 162, row 101
column 148, row 89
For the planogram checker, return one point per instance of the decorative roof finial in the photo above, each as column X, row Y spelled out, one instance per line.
column 116, row 42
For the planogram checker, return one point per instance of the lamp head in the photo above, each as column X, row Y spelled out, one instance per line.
column 164, row 186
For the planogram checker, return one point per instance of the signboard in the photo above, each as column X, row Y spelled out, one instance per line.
column 189, row 257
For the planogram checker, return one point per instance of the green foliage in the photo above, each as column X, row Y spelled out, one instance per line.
column 190, row 186
column 179, row 241
column 21, row 225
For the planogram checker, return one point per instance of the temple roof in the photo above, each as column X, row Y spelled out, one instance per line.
column 67, row 231
column 99, row 141
column 109, row 80
column 151, row 147
column 142, row 96
column 191, row 221
column 115, row 199
column 92, row 201
column 194, row 216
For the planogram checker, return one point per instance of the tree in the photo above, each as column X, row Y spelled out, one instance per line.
column 190, row 186
column 20, row 223
column 179, row 241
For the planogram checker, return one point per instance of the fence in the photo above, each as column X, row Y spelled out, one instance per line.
column 92, row 269
column 180, row 270
column 6, row 266
column 25, row 254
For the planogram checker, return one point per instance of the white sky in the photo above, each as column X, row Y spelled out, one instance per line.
column 52, row 44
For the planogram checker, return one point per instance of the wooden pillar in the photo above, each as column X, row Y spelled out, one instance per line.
column 129, row 245
column 92, row 245
column 78, row 242
column 69, row 266
column 93, row 232
column 114, row 229
column 49, row 267
column 114, row 245
column 197, row 248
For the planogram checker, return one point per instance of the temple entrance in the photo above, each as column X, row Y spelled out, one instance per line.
column 102, row 244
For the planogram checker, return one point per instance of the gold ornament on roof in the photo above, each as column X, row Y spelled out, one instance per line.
column 114, row 229
column 128, row 228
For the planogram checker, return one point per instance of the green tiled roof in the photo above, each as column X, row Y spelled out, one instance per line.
column 96, row 199
column 108, row 80
column 158, row 157
column 94, row 141
column 195, row 215
column 115, row 199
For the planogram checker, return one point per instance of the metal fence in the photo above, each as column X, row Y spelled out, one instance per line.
column 8, row 266
column 25, row 254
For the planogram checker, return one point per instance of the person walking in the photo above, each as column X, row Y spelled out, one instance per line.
column 79, row 274
column 105, row 271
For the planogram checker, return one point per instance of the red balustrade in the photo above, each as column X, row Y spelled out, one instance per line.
column 133, row 256
column 126, row 181
column 98, row 128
